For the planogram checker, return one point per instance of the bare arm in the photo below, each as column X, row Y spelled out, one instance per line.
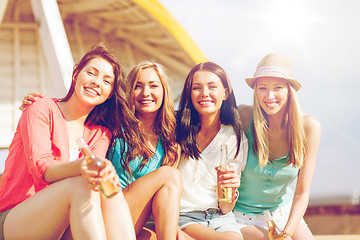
column 302, row 190
column 62, row 170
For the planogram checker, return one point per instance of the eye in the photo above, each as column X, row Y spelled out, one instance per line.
column 137, row 86
column 107, row 81
column 213, row 87
column 91, row 73
column 154, row 85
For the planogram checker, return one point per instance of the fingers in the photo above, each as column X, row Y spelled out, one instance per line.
column 90, row 177
column 29, row 99
column 229, row 177
column 94, row 178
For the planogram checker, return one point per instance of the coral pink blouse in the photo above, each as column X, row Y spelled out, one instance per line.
column 40, row 140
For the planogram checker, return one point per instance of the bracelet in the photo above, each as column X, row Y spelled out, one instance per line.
column 286, row 234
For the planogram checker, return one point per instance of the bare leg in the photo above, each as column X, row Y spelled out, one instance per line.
column 302, row 232
column 198, row 231
column 254, row 233
column 164, row 178
column 166, row 205
column 48, row 213
column 183, row 235
column 117, row 218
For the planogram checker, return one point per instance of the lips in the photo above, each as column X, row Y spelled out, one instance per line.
column 92, row 91
column 272, row 104
column 146, row 101
column 205, row 102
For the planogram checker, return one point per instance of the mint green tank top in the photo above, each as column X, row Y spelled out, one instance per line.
column 265, row 187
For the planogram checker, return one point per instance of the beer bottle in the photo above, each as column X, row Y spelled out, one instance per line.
column 274, row 232
column 107, row 188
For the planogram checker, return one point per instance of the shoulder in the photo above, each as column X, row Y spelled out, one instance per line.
column 246, row 114
column 312, row 128
column 311, row 124
column 42, row 107
column 44, row 102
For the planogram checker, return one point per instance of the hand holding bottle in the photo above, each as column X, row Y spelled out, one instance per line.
column 99, row 174
column 228, row 180
column 94, row 177
column 274, row 232
column 228, row 177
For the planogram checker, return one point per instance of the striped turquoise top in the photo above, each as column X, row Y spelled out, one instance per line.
column 265, row 187
column 153, row 163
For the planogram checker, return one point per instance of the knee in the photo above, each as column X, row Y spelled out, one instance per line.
column 232, row 236
column 171, row 176
column 76, row 186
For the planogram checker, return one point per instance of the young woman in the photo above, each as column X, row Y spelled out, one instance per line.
column 208, row 117
column 45, row 187
column 155, row 177
column 283, row 144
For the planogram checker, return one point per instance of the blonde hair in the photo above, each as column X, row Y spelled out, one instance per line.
column 293, row 122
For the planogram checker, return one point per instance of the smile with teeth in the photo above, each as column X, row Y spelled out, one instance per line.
column 205, row 102
column 272, row 104
column 91, row 91
column 146, row 101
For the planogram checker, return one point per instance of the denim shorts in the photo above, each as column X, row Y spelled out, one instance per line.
column 280, row 216
column 211, row 218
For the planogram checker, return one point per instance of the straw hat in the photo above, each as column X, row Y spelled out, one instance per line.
column 274, row 65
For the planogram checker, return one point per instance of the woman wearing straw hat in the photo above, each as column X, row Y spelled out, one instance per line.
column 283, row 144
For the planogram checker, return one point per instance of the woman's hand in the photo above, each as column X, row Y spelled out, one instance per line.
column 228, row 177
column 94, row 178
column 29, row 99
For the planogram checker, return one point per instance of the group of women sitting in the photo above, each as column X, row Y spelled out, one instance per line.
column 165, row 163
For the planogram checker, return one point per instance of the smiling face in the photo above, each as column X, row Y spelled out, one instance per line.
column 272, row 94
column 148, row 92
column 94, row 83
column 207, row 93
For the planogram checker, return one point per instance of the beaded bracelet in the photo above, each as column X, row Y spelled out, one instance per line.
column 286, row 234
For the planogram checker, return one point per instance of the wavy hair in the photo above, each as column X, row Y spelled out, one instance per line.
column 115, row 113
column 187, row 118
column 293, row 122
column 165, row 120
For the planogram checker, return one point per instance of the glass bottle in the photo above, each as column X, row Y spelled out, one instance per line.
column 274, row 232
column 107, row 188
column 224, row 194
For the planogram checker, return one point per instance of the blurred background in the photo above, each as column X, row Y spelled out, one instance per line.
column 40, row 40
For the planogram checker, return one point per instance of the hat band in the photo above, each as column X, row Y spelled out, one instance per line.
column 271, row 71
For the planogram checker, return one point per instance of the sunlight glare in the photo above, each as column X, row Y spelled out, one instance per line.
column 288, row 19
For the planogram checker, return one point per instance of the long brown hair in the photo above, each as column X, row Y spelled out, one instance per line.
column 115, row 113
column 165, row 120
column 188, row 120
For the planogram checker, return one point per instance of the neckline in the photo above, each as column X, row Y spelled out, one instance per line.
column 206, row 149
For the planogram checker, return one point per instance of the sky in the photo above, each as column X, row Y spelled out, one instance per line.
column 322, row 41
